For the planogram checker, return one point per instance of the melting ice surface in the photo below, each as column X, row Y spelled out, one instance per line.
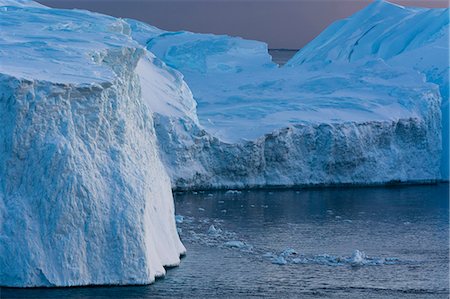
column 339, row 243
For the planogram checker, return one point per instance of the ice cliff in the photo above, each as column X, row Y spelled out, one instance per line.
column 369, row 121
column 84, row 197
column 408, row 37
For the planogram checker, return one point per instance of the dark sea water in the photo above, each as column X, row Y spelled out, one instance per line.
column 281, row 56
column 301, row 244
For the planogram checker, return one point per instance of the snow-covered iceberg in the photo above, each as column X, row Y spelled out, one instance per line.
column 365, row 122
column 84, row 197
column 408, row 37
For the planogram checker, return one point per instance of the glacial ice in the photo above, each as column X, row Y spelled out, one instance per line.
column 364, row 122
column 94, row 124
column 407, row 37
column 84, row 197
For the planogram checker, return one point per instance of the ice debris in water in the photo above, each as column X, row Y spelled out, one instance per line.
column 233, row 192
column 358, row 258
column 288, row 252
column 179, row 219
column 279, row 260
column 212, row 230
column 239, row 245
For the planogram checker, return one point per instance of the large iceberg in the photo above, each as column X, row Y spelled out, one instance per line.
column 84, row 197
column 409, row 37
column 256, row 124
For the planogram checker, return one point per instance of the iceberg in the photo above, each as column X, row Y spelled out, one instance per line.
column 408, row 37
column 256, row 124
column 84, row 196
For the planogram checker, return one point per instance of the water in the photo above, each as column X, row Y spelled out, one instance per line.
column 403, row 231
column 281, row 56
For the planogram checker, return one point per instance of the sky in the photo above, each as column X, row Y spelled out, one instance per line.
column 285, row 24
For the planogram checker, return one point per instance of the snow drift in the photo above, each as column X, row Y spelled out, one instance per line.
column 84, row 197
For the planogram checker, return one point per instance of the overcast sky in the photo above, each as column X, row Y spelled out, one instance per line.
column 286, row 24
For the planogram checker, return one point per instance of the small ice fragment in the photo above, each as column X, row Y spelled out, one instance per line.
column 224, row 211
column 300, row 260
column 252, row 206
column 338, row 217
column 179, row 219
column 231, row 192
column 201, row 209
column 407, row 223
column 279, row 260
column 297, row 192
column 358, row 258
column 270, row 192
column 391, row 260
column 288, row 252
column 265, row 206
column 212, row 230
column 235, row 244
column 179, row 230
column 210, row 195
column 194, row 192
column 348, row 221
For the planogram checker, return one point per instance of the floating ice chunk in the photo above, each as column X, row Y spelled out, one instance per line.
column 201, row 209
column 233, row 192
column 212, row 230
column 391, row 261
column 288, row 252
column 235, row 244
column 279, row 260
column 348, row 221
column 179, row 219
column 358, row 258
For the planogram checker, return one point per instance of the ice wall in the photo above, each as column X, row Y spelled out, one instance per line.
column 408, row 37
column 84, row 197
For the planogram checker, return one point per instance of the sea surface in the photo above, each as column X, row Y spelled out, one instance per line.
column 281, row 56
column 384, row 242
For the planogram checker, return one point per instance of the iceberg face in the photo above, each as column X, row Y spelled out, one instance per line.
column 364, row 122
column 84, row 197
column 414, row 38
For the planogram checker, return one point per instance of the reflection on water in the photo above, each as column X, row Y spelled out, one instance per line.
column 341, row 242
